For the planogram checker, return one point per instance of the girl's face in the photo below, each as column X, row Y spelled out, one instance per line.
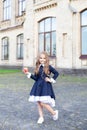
column 42, row 59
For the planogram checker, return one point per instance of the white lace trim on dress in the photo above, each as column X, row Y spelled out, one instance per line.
column 44, row 99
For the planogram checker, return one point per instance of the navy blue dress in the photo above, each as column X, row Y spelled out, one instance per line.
column 42, row 91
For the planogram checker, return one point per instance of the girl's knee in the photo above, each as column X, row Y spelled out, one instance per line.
column 39, row 103
column 42, row 104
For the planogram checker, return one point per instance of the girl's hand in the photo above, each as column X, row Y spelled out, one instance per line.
column 47, row 79
column 25, row 70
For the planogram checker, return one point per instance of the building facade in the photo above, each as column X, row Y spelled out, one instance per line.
column 56, row 26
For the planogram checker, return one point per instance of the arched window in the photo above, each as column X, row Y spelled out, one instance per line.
column 5, row 48
column 7, row 9
column 47, row 36
column 84, row 33
column 21, row 7
column 20, row 46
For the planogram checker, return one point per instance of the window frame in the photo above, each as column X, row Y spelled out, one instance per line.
column 20, row 47
column 6, row 10
column 5, row 47
column 45, row 33
column 21, row 7
column 83, row 56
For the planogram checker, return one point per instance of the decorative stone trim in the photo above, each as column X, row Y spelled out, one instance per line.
column 5, row 24
column 20, row 19
column 73, row 0
column 43, row 7
column 11, row 28
column 72, row 9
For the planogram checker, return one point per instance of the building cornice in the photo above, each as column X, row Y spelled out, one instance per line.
column 6, row 25
column 11, row 28
column 44, row 6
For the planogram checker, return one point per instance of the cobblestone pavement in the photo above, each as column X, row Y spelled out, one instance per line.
column 16, row 113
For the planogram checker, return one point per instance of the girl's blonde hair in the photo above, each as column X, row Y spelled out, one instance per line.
column 46, row 65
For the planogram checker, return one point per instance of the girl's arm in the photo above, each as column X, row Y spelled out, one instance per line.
column 29, row 75
column 33, row 76
column 54, row 71
column 55, row 74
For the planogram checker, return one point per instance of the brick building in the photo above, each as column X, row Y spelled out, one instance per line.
column 56, row 26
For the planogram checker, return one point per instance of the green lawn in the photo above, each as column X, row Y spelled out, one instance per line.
column 8, row 71
column 61, row 78
column 71, row 78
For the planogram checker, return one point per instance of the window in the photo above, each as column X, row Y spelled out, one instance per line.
column 20, row 46
column 34, row 1
column 47, row 36
column 84, row 33
column 7, row 9
column 21, row 4
column 5, row 48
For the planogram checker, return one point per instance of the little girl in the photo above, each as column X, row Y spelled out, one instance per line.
column 42, row 91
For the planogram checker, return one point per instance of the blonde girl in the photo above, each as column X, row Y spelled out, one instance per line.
column 42, row 90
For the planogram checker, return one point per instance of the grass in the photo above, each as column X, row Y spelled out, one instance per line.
column 70, row 78
column 9, row 71
column 61, row 78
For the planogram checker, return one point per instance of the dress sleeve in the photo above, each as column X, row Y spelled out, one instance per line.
column 34, row 76
column 54, row 71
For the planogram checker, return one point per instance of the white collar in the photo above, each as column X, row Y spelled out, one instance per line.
column 42, row 65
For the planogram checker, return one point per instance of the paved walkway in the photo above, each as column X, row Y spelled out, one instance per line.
column 16, row 113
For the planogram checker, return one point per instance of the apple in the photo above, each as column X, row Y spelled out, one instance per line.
column 25, row 70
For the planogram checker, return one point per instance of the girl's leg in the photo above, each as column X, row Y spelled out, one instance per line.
column 48, row 107
column 40, row 109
